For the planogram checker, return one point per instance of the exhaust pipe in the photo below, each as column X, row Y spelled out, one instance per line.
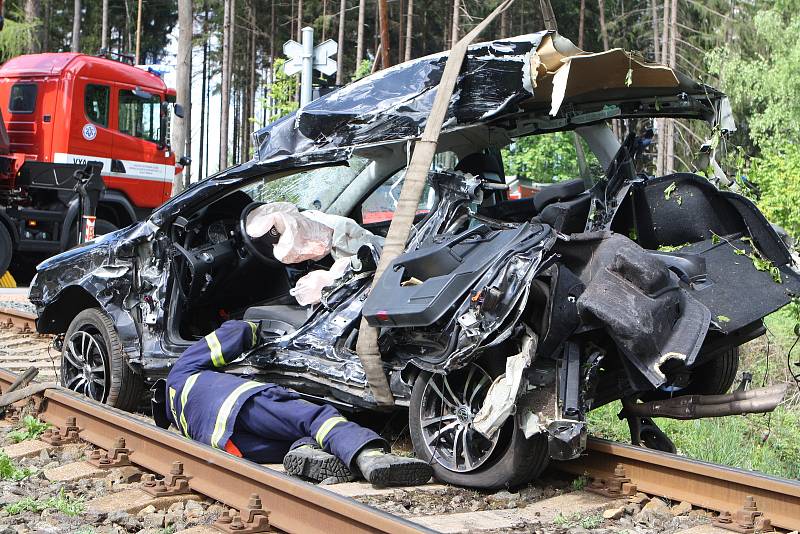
column 759, row 400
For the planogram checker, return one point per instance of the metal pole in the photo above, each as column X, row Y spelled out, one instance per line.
column 308, row 66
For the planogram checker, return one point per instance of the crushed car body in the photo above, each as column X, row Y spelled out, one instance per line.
column 505, row 321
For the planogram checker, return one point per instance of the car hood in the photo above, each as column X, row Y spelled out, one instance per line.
column 108, row 242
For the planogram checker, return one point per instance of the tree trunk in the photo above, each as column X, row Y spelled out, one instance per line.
column 48, row 11
column 340, row 50
column 656, row 50
column 182, row 134
column 202, row 154
column 225, row 91
column 360, row 33
column 673, row 61
column 32, row 17
column 324, row 20
column 661, row 145
column 383, row 14
column 601, row 4
column 581, row 19
column 504, row 23
column 400, row 33
column 410, row 194
column 251, row 91
column 409, row 28
column 104, row 28
column 76, row 27
column 456, row 23
column 299, row 22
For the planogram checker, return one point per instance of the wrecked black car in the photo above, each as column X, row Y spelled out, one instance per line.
column 506, row 320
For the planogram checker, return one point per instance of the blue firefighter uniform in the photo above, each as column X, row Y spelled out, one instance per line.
column 258, row 421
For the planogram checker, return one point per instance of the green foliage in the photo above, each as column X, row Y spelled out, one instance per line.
column 364, row 68
column 30, row 428
column 10, row 471
column 282, row 92
column 579, row 483
column 777, row 174
column 66, row 504
column 762, row 79
column 543, row 158
column 16, row 38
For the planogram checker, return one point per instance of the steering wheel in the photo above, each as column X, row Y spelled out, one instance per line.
column 260, row 247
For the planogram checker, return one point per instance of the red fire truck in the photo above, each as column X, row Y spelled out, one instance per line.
column 63, row 112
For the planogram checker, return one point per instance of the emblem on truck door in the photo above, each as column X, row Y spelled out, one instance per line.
column 89, row 132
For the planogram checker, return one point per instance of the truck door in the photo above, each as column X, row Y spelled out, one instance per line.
column 139, row 155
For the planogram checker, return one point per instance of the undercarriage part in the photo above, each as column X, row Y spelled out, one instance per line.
column 645, row 433
column 567, row 439
column 759, row 400
column 570, row 381
column 501, row 400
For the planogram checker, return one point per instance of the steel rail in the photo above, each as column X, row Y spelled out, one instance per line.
column 703, row 484
column 294, row 506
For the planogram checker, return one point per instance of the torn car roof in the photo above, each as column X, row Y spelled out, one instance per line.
column 541, row 75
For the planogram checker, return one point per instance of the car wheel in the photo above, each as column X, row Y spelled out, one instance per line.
column 440, row 422
column 94, row 364
column 101, row 227
column 714, row 377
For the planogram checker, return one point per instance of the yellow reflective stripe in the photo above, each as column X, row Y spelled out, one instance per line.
column 172, row 404
column 187, row 387
column 216, row 350
column 225, row 412
column 326, row 427
column 254, row 327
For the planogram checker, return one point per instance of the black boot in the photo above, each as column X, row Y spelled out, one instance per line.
column 312, row 463
column 384, row 469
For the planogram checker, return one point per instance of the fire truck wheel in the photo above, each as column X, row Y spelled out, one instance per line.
column 101, row 227
column 6, row 249
column 93, row 362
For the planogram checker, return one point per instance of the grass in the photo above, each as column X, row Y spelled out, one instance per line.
column 66, row 504
column 762, row 442
column 574, row 520
column 10, row 471
column 579, row 483
column 30, row 428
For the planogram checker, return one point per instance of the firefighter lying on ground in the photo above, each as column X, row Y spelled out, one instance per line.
column 267, row 423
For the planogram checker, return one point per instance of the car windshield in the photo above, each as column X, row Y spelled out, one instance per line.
column 314, row 189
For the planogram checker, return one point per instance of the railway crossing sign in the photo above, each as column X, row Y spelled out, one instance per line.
column 304, row 57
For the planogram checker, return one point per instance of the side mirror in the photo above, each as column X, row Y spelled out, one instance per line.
column 178, row 110
column 185, row 161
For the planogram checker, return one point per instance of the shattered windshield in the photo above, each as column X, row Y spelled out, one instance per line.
column 314, row 189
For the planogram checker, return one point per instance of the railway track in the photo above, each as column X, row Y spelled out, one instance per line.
column 622, row 475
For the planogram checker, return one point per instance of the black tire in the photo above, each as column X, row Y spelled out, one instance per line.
column 101, row 227
column 6, row 249
column 513, row 462
column 714, row 377
column 122, row 387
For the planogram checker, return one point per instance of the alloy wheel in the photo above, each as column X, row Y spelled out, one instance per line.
column 84, row 365
column 449, row 405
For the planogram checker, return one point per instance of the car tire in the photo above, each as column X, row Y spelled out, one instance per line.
column 105, row 376
column 101, row 227
column 6, row 249
column 714, row 377
column 514, row 461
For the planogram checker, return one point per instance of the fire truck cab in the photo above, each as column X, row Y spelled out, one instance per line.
column 62, row 112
